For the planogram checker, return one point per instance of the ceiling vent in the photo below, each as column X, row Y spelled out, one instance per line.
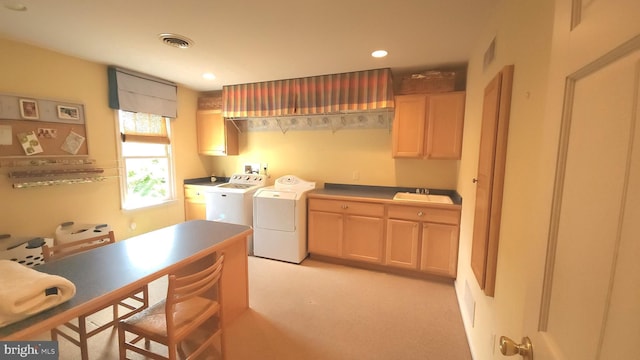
column 174, row 40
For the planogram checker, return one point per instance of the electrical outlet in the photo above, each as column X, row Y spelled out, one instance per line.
column 355, row 175
column 251, row 168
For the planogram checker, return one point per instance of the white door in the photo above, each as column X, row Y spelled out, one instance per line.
column 584, row 301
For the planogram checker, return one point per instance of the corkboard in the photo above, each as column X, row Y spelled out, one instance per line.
column 51, row 137
column 51, row 122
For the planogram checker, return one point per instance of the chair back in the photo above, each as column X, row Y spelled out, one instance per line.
column 50, row 253
column 187, row 287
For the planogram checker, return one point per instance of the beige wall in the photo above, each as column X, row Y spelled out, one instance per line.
column 523, row 33
column 326, row 156
column 38, row 73
column 523, row 38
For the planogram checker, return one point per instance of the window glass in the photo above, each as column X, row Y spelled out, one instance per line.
column 147, row 166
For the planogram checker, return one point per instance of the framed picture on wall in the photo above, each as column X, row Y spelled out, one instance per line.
column 68, row 112
column 29, row 109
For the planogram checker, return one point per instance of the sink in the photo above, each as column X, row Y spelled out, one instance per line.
column 440, row 199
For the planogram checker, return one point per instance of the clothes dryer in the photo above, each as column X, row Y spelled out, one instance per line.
column 280, row 219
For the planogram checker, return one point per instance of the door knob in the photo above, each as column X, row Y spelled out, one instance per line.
column 474, row 180
column 509, row 347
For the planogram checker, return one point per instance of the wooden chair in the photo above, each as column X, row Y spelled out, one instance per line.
column 176, row 320
column 133, row 302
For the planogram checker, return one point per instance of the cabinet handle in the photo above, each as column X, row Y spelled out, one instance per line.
column 345, row 206
column 420, row 213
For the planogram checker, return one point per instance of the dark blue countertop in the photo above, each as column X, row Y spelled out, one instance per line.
column 206, row 181
column 378, row 192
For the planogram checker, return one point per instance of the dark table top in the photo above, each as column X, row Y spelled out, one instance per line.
column 128, row 264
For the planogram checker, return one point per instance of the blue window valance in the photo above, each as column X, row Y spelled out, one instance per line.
column 137, row 92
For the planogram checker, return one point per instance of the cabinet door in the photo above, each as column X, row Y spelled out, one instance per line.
column 409, row 126
column 439, row 253
column 194, row 203
column 194, row 211
column 363, row 238
column 325, row 233
column 215, row 137
column 445, row 114
column 402, row 243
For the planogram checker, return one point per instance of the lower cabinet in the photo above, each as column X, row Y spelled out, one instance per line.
column 423, row 238
column 412, row 237
column 439, row 251
column 363, row 238
column 194, row 204
column 346, row 229
column 325, row 232
column 403, row 238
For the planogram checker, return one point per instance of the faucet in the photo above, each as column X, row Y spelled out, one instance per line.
column 422, row 191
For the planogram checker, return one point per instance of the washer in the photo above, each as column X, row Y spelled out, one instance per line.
column 232, row 202
column 280, row 220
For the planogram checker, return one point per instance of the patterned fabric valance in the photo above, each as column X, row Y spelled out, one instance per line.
column 326, row 94
column 270, row 98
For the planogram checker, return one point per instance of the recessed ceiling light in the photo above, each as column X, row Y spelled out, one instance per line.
column 176, row 40
column 379, row 53
column 208, row 76
column 16, row 6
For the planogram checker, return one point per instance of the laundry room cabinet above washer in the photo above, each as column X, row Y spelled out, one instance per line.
column 216, row 136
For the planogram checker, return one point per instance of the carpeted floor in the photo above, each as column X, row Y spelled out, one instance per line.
column 318, row 310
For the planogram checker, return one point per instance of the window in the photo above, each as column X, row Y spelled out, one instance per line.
column 147, row 163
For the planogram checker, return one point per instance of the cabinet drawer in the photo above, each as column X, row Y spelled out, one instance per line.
column 194, row 193
column 419, row 213
column 347, row 207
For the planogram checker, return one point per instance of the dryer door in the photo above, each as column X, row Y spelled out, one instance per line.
column 275, row 210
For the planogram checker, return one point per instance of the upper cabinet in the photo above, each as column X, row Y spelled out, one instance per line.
column 215, row 135
column 429, row 125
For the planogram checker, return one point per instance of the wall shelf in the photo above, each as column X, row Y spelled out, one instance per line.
column 47, row 172
column 334, row 122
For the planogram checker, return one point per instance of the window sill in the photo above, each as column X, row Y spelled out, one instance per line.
column 131, row 209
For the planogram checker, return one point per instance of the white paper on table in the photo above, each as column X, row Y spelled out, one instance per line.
column 29, row 142
column 72, row 143
column 5, row 135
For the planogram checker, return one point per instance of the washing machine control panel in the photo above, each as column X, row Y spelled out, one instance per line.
column 248, row 179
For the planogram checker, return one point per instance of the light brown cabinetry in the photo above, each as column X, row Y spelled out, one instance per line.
column 403, row 238
column 346, row 229
column 325, row 232
column 423, row 238
column 216, row 136
column 439, row 251
column 428, row 125
column 194, row 203
column 386, row 234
